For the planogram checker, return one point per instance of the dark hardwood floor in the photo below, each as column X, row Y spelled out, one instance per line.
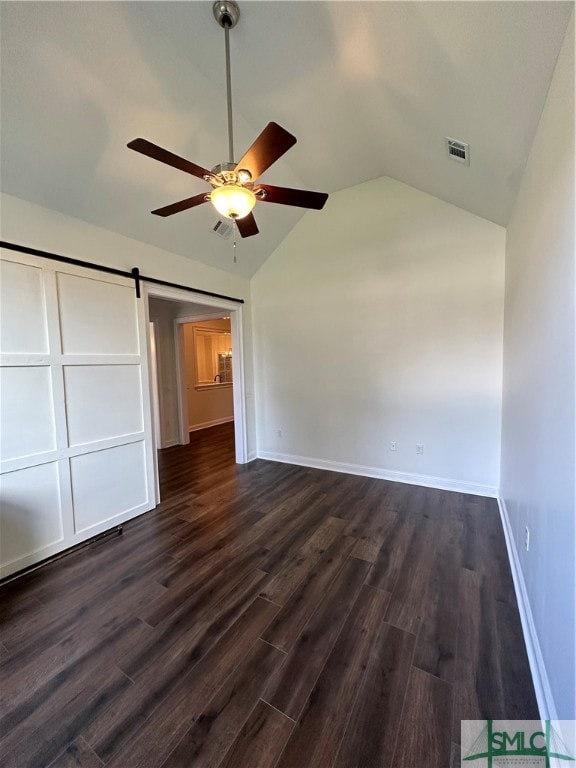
column 266, row 616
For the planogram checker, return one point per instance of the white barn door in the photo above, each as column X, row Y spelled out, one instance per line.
column 76, row 450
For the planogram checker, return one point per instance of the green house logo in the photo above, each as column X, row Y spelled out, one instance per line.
column 520, row 739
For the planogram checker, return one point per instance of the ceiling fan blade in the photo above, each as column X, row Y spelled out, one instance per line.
column 164, row 156
column 272, row 143
column 247, row 225
column 182, row 205
column 287, row 196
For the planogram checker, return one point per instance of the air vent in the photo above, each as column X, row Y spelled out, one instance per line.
column 222, row 228
column 458, row 150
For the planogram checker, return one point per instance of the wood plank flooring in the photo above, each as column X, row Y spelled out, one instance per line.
column 265, row 616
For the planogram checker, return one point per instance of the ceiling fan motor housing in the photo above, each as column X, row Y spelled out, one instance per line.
column 226, row 173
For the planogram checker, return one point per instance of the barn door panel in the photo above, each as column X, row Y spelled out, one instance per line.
column 76, row 454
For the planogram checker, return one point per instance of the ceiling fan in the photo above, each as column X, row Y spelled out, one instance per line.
column 235, row 188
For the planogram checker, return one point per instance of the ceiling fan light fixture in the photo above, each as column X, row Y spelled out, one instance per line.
column 232, row 200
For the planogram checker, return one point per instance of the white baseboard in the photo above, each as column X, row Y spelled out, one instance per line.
column 544, row 697
column 252, row 456
column 213, row 423
column 442, row 483
column 170, row 443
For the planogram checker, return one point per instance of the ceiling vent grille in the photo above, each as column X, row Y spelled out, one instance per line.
column 458, row 151
column 222, row 229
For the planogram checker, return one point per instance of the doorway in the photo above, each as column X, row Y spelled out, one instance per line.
column 208, row 377
column 174, row 314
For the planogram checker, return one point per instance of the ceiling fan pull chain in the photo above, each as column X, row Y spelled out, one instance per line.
column 235, row 228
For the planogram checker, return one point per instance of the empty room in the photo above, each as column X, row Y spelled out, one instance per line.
column 287, row 384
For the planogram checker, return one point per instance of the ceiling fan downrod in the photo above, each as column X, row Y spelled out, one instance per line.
column 227, row 13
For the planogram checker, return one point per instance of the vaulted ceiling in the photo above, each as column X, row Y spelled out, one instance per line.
column 368, row 88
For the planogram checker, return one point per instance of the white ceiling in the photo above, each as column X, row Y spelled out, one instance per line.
column 368, row 88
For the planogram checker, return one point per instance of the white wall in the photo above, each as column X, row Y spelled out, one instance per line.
column 378, row 320
column 538, row 449
column 31, row 225
column 163, row 313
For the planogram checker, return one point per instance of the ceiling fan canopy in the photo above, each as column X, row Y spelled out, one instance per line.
column 235, row 189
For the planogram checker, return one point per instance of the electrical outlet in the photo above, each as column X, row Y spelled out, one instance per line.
column 419, row 449
column 527, row 539
column 392, row 445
